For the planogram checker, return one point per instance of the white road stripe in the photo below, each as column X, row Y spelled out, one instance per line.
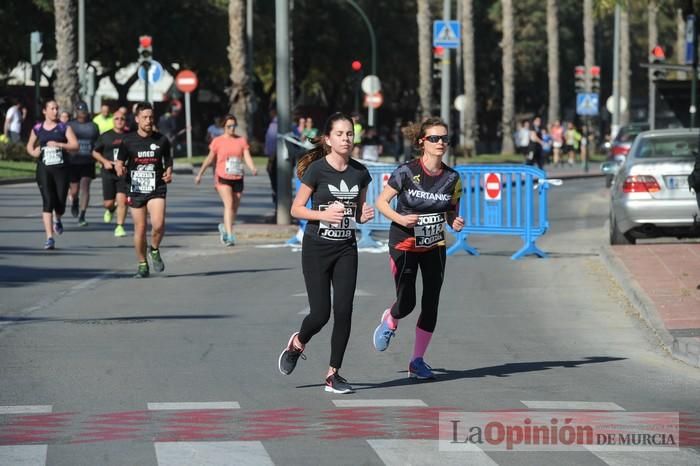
column 212, row 454
column 680, row 457
column 23, row 455
column 194, row 405
column 564, row 405
column 381, row 403
column 407, row 452
column 26, row 409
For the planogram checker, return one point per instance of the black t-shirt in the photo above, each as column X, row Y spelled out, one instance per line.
column 108, row 144
column 330, row 185
column 429, row 196
column 87, row 133
column 146, row 159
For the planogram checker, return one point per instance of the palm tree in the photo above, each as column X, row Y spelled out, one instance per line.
column 680, row 40
column 507, row 44
column 425, row 53
column 625, row 62
column 553, row 60
column 240, row 98
column 470, row 123
column 66, row 87
column 588, row 44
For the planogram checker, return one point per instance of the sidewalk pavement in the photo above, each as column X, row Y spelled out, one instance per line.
column 663, row 282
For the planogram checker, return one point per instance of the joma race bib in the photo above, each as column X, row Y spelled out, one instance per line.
column 51, row 156
column 339, row 231
column 234, row 166
column 143, row 181
column 429, row 230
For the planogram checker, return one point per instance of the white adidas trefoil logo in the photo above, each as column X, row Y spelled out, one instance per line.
column 343, row 192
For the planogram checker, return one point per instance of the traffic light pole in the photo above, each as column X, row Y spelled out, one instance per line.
column 445, row 81
column 694, row 78
column 146, row 65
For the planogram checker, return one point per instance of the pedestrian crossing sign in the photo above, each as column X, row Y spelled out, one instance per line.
column 587, row 103
column 446, row 34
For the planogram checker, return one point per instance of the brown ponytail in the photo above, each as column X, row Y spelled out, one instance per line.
column 321, row 149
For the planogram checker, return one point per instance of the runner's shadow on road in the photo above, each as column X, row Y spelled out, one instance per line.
column 504, row 370
column 227, row 272
column 15, row 275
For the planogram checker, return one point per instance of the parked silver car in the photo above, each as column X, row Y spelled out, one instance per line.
column 650, row 196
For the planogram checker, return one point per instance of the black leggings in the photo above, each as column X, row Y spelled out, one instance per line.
column 404, row 267
column 324, row 263
column 53, row 185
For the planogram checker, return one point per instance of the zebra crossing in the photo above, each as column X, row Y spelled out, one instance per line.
column 173, row 449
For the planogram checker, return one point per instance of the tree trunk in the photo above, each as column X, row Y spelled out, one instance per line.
column 425, row 54
column 625, row 63
column 553, row 60
column 66, row 87
column 470, row 123
column 507, row 44
column 653, row 31
column 680, row 40
column 240, row 99
column 588, row 41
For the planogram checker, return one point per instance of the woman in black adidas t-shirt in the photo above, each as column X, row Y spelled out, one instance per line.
column 427, row 193
column 336, row 186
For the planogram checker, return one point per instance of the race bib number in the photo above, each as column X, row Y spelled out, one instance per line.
column 84, row 147
column 115, row 153
column 429, row 230
column 52, row 156
column 143, row 181
column 234, row 166
column 339, row 231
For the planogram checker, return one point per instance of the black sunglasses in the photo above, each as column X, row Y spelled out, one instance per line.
column 435, row 139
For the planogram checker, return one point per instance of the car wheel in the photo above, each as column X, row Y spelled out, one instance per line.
column 616, row 236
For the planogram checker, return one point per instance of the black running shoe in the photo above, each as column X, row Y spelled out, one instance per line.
column 142, row 271
column 156, row 260
column 336, row 384
column 289, row 357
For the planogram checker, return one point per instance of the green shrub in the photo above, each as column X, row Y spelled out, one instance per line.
column 14, row 151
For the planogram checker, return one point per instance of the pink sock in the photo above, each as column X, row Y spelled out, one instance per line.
column 422, row 342
column 390, row 320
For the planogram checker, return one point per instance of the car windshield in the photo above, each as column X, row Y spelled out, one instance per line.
column 668, row 146
column 628, row 133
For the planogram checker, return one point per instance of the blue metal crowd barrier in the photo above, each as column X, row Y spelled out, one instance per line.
column 502, row 200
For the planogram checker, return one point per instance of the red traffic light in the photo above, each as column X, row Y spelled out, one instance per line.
column 356, row 65
column 438, row 51
column 658, row 53
column 579, row 70
column 145, row 41
column 595, row 71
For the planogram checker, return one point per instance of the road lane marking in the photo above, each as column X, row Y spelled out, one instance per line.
column 194, row 405
column 400, row 452
column 212, row 454
column 564, row 405
column 380, row 403
column 23, row 455
column 26, row 409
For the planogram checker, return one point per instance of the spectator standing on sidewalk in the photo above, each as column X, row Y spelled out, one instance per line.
column 271, row 152
column 536, row 155
column 572, row 138
column 13, row 121
column 557, row 132
column 522, row 138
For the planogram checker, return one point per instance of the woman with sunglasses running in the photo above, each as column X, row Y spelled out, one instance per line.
column 229, row 151
column 428, row 192
column 336, row 185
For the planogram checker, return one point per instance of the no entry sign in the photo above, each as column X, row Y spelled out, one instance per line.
column 186, row 81
column 492, row 186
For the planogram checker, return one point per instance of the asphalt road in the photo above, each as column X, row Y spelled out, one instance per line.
column 181, row 369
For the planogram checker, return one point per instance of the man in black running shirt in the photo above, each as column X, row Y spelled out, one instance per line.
column 144, row 156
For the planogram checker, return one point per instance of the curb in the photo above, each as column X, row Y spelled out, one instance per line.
column 16, row 180
column 576, row 176
column 681, row 348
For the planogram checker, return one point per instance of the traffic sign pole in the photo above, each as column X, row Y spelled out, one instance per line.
column 146, row 66
column 445, row 82
column 188, row 124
